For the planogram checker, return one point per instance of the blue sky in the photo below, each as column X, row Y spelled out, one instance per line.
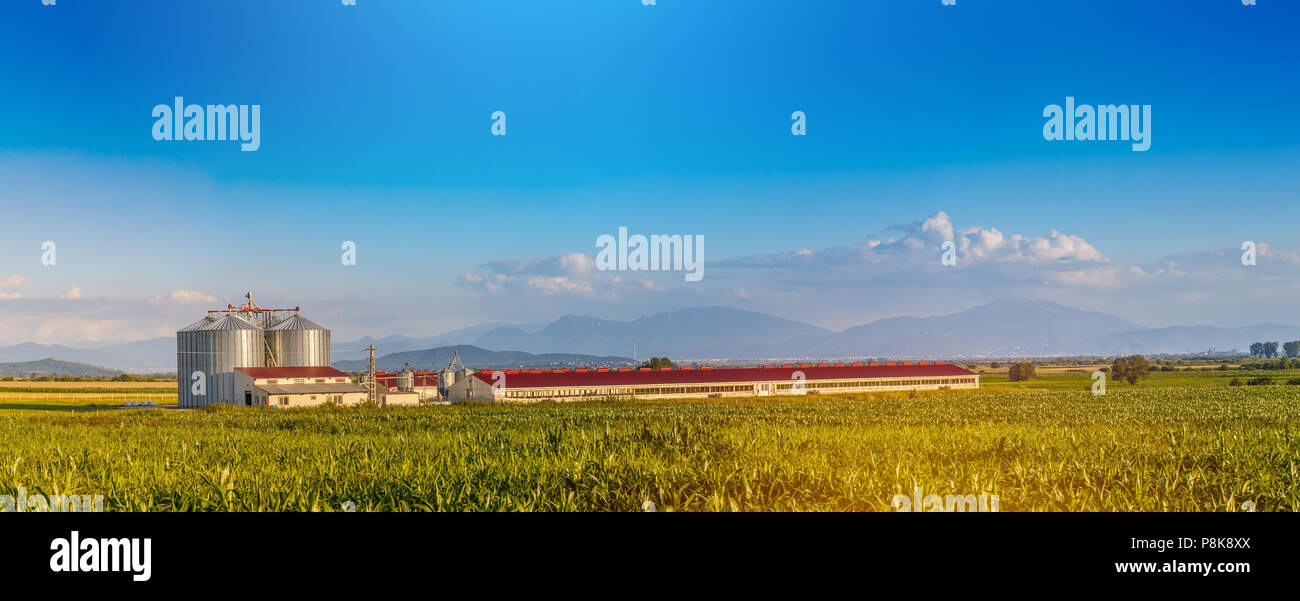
column 673, row 118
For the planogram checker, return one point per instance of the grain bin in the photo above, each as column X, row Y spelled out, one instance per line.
column 227, row 343
column 189, row 359
column 297, row 341
column 406, row 379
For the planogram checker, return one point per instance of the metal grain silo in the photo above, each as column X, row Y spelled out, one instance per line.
column 406, row 379
column 227, row 343
column 189, row 360
column 445, row 381
column 296, row 342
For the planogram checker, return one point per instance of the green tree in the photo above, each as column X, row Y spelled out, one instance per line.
column 1270, row 349
column 1019, row 372
column 1130, row 369
column 1257, row 349
column 659, row 362
column 1292, row 349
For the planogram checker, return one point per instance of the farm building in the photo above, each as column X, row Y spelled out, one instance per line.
column 210, row 350
column 528, row 385
column 424, row 383
column 296, row 387
column 397, row 398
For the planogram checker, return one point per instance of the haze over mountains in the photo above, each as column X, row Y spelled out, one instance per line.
column 143, row 356
column 51, row 367
column 474, row 356
column 1003, row 328
column 399, row 343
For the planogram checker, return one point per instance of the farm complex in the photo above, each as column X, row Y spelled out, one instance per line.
column 565, row 384
column 210, row 352
column 813, row 436
column 261, row 357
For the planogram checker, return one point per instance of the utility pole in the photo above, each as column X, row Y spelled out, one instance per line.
column 371, row 373
column 1050, row 317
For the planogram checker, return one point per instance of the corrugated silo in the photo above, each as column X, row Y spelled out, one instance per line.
column 406, row 379
column 297, row 342
column 445, row 380
column 227, row 343
column 189, row 359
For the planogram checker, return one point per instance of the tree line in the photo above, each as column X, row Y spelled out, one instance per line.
column 1128, row 369
column 1268, row 350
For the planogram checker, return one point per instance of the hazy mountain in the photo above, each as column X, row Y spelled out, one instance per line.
column 1182, row 339
column 51, row 367
column 153, row 355
column 691, row 332
column 480, row 358
column 1004, row 327
column 398, row 343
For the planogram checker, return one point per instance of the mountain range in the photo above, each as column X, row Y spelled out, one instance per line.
column 474, row 356
column 154, row 355
column 51, row 367
column 398, row 343
column 1003, row 328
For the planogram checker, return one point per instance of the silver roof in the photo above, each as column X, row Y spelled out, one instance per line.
column 230, row 322
column 297, row 322
column 198, row 324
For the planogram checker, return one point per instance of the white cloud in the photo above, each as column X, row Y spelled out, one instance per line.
column 183, row 297
column 986, row 252
column 571, row 274
column 9, row 283
column 886, row 276
column 72, row 293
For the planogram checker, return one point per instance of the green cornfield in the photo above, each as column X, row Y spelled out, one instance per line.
column 1133, row 449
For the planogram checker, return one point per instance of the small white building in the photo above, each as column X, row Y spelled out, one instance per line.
column 472, row 388
column 398, row 398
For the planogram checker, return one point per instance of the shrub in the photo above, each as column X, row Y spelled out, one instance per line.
column 1131, row 368
column 1020, row 372
column 1235, row 382
column 1262, row 381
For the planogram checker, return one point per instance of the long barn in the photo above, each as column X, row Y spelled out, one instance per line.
column 531, row 385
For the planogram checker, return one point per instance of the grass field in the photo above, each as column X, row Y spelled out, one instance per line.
column 1180, row 441
column 88, row 385
column 1081, row 379
column 64, row 400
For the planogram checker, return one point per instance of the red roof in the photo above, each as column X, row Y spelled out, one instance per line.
column 547, row 379
column 423, row 379
column 315, row 371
